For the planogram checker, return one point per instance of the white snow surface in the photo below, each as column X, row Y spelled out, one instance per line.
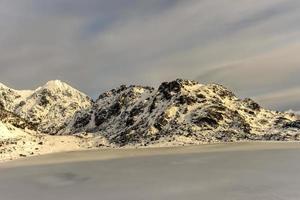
column 4, row 132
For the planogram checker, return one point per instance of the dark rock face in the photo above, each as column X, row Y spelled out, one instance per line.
column 286, row 123
column 292, row 124
column 44, row 97
column 252, row 104
column 160, row 122
column 44, row 101
column 185, row 99
column 82, row 120
column 104, row 114
column 13, row 119
column 115, row 109
column 238, row 122
column 280, row 121
column 208, row 117
column 153, row 105
column 22, row 103
column 101, row 116
column 134, row 113
column 167, row 88
column 206, row 121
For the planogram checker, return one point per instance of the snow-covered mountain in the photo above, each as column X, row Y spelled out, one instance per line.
column 181, row 111
column 178, row 112
column 51, row 106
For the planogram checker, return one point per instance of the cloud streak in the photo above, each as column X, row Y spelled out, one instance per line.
column 251, row 46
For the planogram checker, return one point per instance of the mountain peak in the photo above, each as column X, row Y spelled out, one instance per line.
column 60, row 86
column 176, row 85
column 56, row 84
column 51, row 105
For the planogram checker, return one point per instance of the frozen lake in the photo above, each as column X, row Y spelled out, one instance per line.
column 228, row 172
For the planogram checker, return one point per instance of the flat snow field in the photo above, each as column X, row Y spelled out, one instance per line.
column 261, row 171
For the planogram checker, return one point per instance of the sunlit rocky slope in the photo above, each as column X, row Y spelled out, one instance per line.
column 181, row 111
column 176, row 113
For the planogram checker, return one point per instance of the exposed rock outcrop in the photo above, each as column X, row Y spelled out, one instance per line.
column 181, row 109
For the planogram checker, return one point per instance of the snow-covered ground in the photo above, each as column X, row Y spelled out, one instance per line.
column 17, row 143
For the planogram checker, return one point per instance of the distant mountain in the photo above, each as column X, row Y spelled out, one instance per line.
column 181, row 112
column 51, row 106
column 178, row 112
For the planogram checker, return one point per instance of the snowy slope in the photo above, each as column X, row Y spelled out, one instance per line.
column 8, row 132
column 12, row 127
column 181, row 111
column 5, row 133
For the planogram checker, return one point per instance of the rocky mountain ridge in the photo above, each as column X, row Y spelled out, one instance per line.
column 181, row 112
column 178, row 112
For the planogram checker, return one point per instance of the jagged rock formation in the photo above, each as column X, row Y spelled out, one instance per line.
column 184, row 112
column 51, row 106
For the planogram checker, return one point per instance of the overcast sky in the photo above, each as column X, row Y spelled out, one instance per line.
column 250, row 46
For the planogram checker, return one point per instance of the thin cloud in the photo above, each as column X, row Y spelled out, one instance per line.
column 96, row 45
